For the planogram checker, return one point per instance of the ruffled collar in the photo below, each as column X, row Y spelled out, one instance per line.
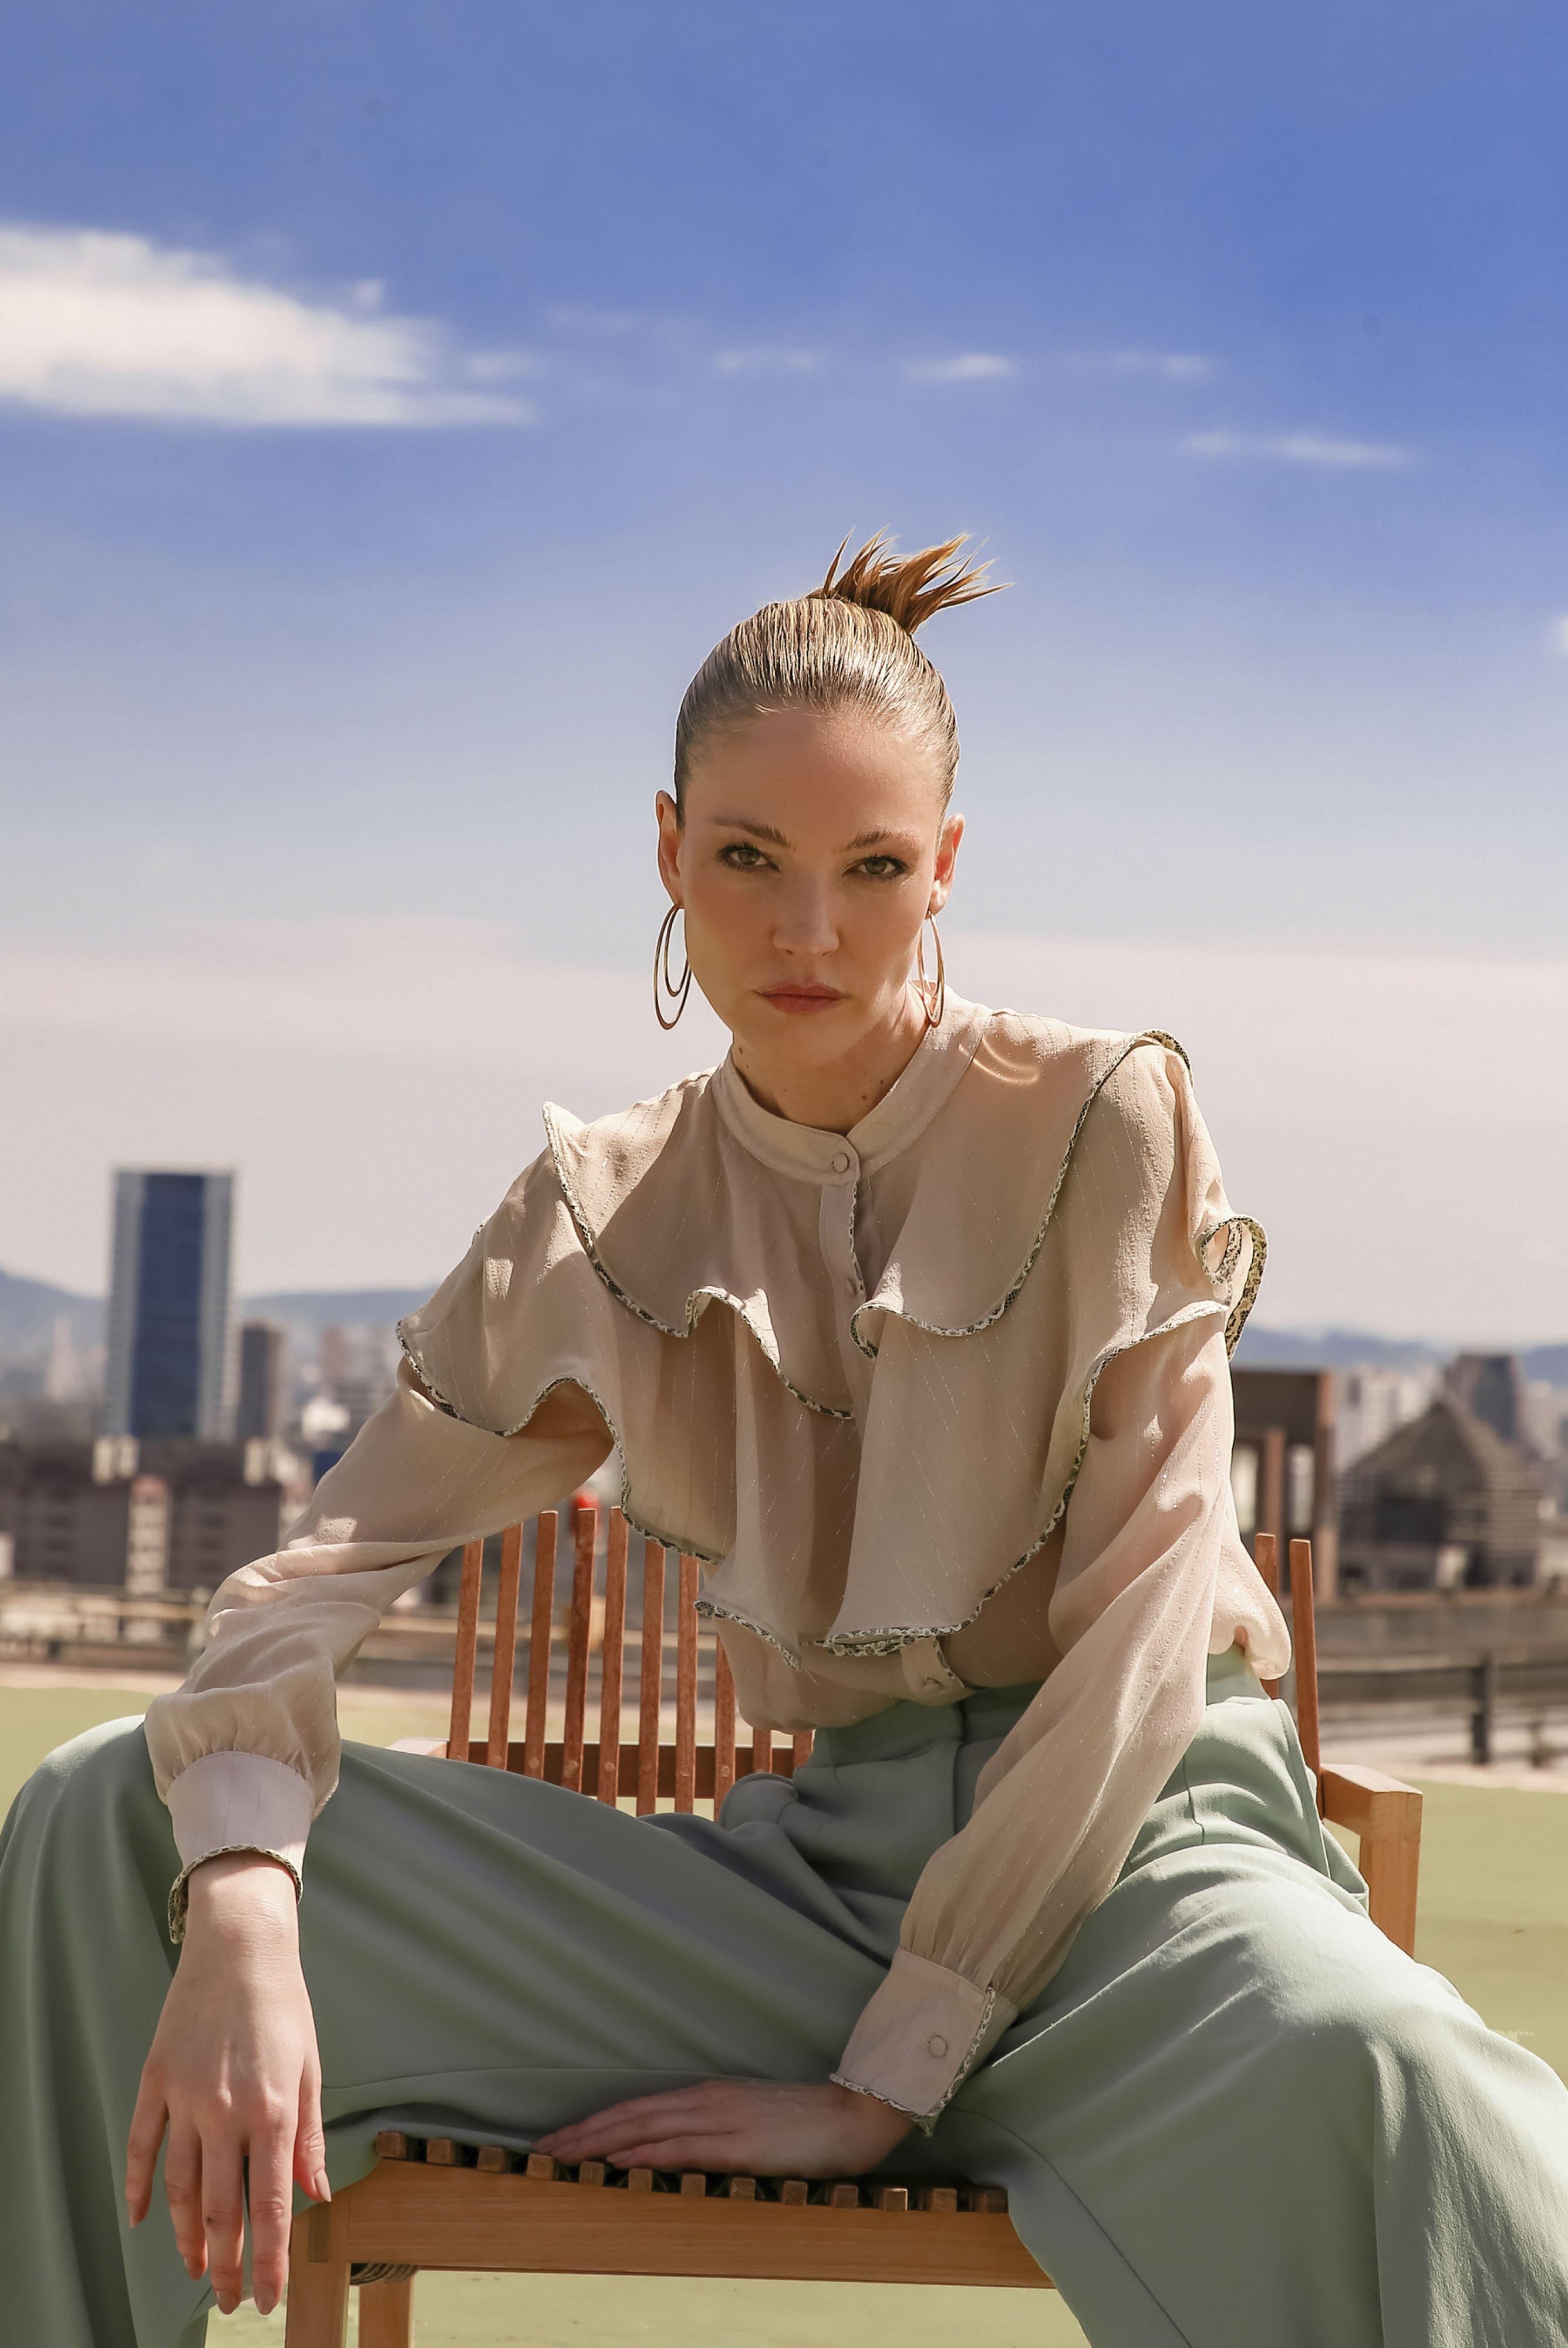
column 672, row 1216
column 812, row 1154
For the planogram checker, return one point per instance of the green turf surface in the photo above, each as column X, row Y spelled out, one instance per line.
column 1494, row 1917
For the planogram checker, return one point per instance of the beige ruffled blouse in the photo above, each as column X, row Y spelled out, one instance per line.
column 943, row 1403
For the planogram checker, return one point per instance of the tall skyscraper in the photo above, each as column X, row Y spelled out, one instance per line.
column 260, row 1411
column 168, row 1304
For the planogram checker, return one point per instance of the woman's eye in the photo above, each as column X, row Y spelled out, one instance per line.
column 742, row 856
column 884, row 867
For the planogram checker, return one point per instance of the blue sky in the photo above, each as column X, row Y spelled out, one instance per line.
column 400, row 400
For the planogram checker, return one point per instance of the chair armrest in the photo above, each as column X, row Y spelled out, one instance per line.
column 1367, row 1802
column 1386, row 1816
column 433, row 1747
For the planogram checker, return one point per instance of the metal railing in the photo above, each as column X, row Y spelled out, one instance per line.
column 1485, row 1688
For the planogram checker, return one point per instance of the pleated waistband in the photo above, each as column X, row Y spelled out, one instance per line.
column 984, row 1717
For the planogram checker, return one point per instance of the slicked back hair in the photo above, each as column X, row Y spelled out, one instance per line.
column 848, row 644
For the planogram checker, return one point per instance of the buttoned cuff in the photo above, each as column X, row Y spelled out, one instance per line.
column 228, row 1802
column 921, row 2035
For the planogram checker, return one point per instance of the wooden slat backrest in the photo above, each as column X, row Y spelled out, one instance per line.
column 543, row 1615
column 655, row 1766
column 467, row 1649
column 504, row 1652
column 1303, row 1639
column 612, row 1649
column 1265, row 1557
column 579, row 1633
column 650, row 1678
column 1303, row 1632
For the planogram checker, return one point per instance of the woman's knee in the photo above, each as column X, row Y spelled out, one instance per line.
column 91, row 1774
column 1359, row 2028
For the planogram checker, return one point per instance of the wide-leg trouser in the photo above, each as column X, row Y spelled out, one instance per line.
column 1237, row 2115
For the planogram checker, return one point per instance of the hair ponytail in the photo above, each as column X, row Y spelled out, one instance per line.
column 849, row 643
column 909, row 588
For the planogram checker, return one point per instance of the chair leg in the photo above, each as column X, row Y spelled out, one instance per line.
column 386, row 2314
column 1390, row 1865
column 318, row 2279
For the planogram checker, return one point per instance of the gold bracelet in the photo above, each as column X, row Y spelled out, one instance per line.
column 179, row 1890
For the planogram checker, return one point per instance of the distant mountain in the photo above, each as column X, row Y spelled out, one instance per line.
column 29, row 1310
column 1346, row 1349
column 1336, row 1349
column 334, row 1308
column 30, row 1307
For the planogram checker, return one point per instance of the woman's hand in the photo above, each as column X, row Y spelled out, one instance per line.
column 755, row 2128
column 234, row 2077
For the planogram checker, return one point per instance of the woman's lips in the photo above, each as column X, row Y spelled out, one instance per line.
column 799, row 1000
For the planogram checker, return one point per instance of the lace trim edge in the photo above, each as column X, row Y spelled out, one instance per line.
column 638, row 1523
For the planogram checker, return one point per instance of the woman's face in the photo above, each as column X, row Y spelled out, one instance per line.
column 813, row 847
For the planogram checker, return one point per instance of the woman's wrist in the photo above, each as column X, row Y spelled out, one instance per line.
column 243, row 1890
column 873, row 2117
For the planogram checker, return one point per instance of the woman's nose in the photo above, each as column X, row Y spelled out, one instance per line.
column 805, row 923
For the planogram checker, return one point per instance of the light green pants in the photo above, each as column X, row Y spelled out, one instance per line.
column 1237, row 2118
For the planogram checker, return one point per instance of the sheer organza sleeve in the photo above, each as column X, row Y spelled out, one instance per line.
column 1152, row 1578
column 246, row 1752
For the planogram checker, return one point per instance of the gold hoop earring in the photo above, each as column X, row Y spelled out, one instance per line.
column 934, row 995
column 663, row 982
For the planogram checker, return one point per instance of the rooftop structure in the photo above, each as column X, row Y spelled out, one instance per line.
column 1444, row 1503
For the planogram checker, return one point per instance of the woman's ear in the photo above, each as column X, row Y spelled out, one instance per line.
column 671, row 841
column 947, row 841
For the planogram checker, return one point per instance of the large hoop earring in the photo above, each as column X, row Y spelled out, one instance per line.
column 932, row 993
column 663, row 982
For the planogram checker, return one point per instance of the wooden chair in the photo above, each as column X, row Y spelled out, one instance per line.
column 433, row 2202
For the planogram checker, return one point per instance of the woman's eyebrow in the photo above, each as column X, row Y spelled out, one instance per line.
column 875, row 838
column 769, row 832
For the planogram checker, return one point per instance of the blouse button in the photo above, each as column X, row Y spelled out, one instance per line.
column 841, row 1163
column 936, row 2045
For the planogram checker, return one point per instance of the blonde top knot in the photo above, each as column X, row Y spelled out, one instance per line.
column 910, row 587
column 849, row 643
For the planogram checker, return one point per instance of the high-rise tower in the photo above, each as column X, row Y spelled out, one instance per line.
column 260, row 1409
column 168, row 1304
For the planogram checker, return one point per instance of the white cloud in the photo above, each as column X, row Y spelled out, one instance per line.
column 499, row 366
column 968, row 366
column 1559, row 635
column 579, row 318
column 1174, row 367
column 1301, row 448
column 768, row 359
column 97, row 323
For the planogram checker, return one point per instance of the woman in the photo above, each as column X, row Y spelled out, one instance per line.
column 911, row 1319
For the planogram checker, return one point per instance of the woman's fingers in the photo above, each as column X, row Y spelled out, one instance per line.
column 148, row 2122
column 223, row 2212
column 695, row 2151
column 182, row 2190
column 269, row 2193
column 629, row 2122
column 764, row 2127
column 310, row 2140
